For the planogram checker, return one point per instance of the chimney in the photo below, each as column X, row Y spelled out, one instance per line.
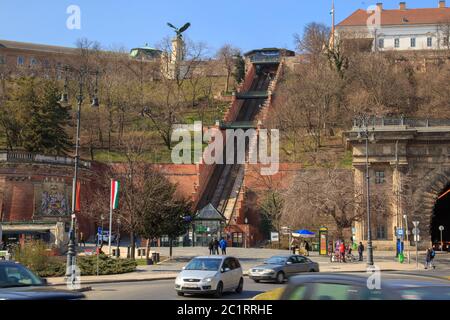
column 402, row 5
column 380, row 6
column 442, row 4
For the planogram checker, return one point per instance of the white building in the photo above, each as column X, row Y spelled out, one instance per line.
column 399, row 29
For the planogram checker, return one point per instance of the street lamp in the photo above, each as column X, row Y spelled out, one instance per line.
column 118, row 237
column 82, row 75
column 363, row 133
column 407, row 234
column 246, row 233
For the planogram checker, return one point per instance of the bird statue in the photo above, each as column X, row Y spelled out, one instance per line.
column 179, row 31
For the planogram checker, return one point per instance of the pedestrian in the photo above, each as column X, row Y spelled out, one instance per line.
column 82, row 241
column 342, row 251
column 307, row 247
column 211, row 247
column 360, row 251
column 216, row 246
column 432, row 255
column 223, row 246
column 428, row 258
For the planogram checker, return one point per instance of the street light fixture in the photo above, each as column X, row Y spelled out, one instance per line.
column 118, row 237
column 364, row 133
column 81, row 74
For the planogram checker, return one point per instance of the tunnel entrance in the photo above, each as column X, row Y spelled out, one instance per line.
column 441, row 217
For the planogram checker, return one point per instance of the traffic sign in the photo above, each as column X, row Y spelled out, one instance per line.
column 441, row 228
column 415, row 223
column 274, row 236
column 416, row 238
column 400, row 232
column 99, row 231
column 415, row 231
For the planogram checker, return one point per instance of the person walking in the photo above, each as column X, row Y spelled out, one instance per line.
column 223, row 246
column 211, row 247
column 82, row 241
column 307, row 248
column 360, row 251
column 216, row 246
column 342, row 251
column 432, row 255
column 427, row 258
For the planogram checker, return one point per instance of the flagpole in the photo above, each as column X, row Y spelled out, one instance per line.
column 110, row 217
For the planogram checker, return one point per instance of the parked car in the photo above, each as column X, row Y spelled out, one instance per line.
column 19, row 283
column 328, row 286
column 279, row 268
column 105, row 237
column 210, row 275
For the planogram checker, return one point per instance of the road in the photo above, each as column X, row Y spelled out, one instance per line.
column 164, row 290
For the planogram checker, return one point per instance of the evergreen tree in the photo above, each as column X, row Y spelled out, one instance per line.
column 239, row 73
column 45, row 130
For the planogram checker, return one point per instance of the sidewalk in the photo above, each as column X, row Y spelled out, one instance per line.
column 250, row 257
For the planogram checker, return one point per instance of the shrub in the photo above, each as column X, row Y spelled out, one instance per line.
column 35, row 256
column 106, row 265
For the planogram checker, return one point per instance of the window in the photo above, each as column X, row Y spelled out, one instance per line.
column 445, row 41
column 413, row 42
column 20, row 61
column 381, row 43
column 429, row 42
column 397, row 42
column 379, row 177
column 33, row 61
column 2, row 59
column 381, row 232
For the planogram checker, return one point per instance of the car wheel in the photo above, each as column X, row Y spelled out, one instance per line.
column 240, row 287
column 181, row 294
column 219, row 290
column 280, row 277
column 312, row 270
column 257, row 281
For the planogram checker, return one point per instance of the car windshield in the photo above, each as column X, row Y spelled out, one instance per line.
column 204, row 264
column 276, row 260
column 15, row 275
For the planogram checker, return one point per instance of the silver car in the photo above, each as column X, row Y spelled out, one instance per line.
column 210, row 275
column 278, row 268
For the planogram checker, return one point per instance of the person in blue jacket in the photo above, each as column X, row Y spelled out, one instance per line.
column 223, row 246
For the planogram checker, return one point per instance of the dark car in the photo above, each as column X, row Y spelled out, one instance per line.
column 19, row 283
column 278, row 268
column 328, row 286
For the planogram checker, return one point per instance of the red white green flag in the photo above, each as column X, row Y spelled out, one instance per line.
column 115, row 185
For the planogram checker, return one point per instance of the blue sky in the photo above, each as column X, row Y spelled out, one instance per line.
column 247, row 24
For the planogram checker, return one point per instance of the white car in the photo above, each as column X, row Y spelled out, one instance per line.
column 210, row 275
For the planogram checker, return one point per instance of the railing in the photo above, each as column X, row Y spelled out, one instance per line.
column 265, row 59
column 252, row 95
column 21, row 156
column 238, row 125
column 376, row 122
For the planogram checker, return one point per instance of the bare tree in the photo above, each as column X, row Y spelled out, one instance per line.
column 226, row 55
column 314, row 41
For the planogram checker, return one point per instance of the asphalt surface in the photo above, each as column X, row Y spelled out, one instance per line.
column 164, row 290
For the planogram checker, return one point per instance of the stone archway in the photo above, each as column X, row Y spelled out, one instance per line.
column 425, row 199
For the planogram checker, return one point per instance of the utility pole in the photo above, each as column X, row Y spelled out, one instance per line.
column 407, row 235
column 416, row 239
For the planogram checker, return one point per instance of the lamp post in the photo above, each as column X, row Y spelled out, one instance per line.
column 246, row 233
column 363, row 133
column 118, row 237
column 407, row 234
column 82, row 74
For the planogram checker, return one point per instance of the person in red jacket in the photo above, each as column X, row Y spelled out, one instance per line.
column 342, row 251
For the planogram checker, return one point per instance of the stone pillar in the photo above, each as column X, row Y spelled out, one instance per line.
column 359, row 176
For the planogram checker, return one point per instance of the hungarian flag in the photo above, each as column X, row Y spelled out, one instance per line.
column 77, row 197
column 115, row 185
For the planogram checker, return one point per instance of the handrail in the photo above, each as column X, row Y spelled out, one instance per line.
column 26, row 157
column 380, row 122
